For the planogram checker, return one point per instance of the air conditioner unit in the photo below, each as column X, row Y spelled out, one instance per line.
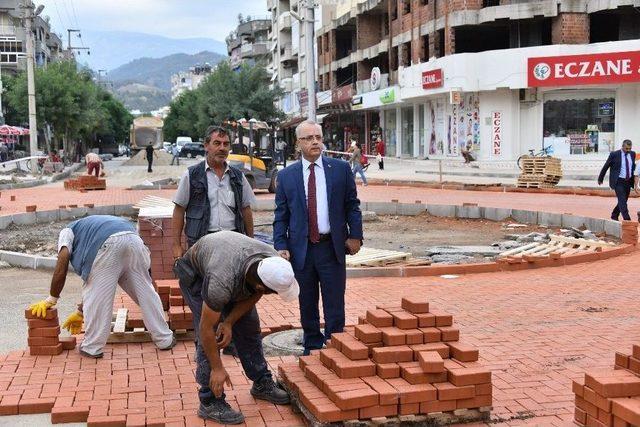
column 529, row 94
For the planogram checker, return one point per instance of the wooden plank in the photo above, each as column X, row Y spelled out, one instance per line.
column 518, row 250
column 573, row 240
column 121, row 321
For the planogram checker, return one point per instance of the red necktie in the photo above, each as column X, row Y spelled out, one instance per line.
column 626, row 159
column 314, row 234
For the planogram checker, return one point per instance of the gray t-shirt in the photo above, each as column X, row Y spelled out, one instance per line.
column 221, row 198
column 222, row 259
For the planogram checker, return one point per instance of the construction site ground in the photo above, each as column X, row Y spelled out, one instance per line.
column 536, row 329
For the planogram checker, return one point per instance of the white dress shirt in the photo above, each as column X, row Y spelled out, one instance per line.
column 623, row 167
column 322, row 202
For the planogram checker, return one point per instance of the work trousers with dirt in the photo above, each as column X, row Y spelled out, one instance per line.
column 93, row 167
column 246, row 337
column 122, row 260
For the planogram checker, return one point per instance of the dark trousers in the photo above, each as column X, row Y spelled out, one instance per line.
column 622, row 189
column 246, row 337
column 321, row 267
column 150, row 162
column 381, row 165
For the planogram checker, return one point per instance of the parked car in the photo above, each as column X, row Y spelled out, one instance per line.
column 181, row 141
column 192, row 149
column 166, row 146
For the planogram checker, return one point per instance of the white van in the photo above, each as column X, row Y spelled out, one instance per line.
column 182, row 140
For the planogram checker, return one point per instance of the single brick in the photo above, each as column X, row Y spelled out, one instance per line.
column 328, row 356
column 442, row 318
column 52, row 331
column 393, row 336
column 35, row 406
column 388, row 370
column 77, row 414
column 413, row 373
column 469, row 376
column 404, row 320
column 431, row 362
column 484, row 389
column 426, row 320
column 68, row 343
column 51, row 314
column 463, row 352
column 413, row 393
column 392, row 354
column 368, row 333
column 636, row 351
column 42, row 323
column 346, row 368
column 378, row 411
column 42, row 341
column 45, row 350
column 440, row 347
column 622, row 360
column 431, row 334
column 415, row 305
column 9, row 405
column 355, row 399
column 617, row 384
column 634, row 365
column 474, row 402
column 449, row 333
column 437, row 406
column 379, row 318
column 327, row 412
column 627, row 409
column 409, row 408
column 387, row 394
column 580, row 416
column 414, row 336
column 107, row 421
column 577, row 387
column 338, row 338
column 448, row 391
column 354, row 350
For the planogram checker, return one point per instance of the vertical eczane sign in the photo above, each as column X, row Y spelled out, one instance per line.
column 496, row 133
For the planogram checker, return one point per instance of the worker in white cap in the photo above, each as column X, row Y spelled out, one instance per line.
column 230, row 272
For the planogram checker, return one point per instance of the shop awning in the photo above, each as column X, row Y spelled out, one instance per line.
column 335, row 108
column 293, row 122
column 320, row 117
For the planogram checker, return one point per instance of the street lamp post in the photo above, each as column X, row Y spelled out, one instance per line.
column 29, row 16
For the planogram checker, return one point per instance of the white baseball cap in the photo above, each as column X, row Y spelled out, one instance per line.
column 276, row 274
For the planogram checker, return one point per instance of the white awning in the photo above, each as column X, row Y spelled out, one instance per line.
column 319, row 117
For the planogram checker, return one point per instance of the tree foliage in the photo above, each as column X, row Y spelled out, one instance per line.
column 224, row 95
column 70, row 103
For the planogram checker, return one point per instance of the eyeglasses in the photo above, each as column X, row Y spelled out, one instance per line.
column 310, row 138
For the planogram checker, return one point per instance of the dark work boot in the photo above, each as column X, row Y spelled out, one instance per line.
column 221, row 412
column 266, row 389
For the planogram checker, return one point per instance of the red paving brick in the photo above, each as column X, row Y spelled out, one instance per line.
column 536, row 329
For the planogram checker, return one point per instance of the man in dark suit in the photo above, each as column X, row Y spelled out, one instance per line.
column 317, row 220
column 621, row 165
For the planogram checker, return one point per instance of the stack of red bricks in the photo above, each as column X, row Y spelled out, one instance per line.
column 180, row 315
column 610, row 397
column 85, row 182
column 630, row 232
column 403, row 360
column 44, row 339
column 157, row 234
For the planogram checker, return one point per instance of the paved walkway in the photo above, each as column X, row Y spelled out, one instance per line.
column 536, row 329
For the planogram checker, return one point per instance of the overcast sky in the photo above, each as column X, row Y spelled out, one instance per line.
column 170, row 18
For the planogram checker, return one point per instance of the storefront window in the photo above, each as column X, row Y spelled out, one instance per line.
column 390, row 131
column 580, row 123
column 407, row 131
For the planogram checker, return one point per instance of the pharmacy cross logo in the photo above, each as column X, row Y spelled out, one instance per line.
column 542, row 71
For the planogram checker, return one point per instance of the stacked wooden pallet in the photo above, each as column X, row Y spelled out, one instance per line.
column 557, row 247
column 371, row 257
column 539, row 172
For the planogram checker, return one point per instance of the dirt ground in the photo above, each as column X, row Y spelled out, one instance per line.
column 408, row 234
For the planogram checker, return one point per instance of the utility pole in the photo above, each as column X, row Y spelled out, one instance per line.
column 28, row 17
column 1, row 90
column 70, row 47
column 309, row 35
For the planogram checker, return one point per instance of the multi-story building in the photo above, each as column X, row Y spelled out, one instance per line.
column 13, row 44
column 249, row 43
column 500, row 76
column 189, row 80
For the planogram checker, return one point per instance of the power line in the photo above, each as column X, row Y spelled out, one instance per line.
column 73, row 8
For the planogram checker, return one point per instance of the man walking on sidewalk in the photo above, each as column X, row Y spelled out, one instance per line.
column 621, row 165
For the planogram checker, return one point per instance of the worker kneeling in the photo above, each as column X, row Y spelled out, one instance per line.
column 231, row 272
column 105, row 251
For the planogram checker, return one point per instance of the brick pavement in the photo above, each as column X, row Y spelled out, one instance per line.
column 536, row 329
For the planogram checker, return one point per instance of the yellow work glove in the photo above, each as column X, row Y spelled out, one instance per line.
column 39, row 309
column 73, row 324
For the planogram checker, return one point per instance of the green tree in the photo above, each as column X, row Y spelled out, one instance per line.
column 181, row 120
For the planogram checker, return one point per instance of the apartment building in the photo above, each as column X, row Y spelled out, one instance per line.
column 189, row 80
column 500, row 76
column 249, row 43
column 13, row 45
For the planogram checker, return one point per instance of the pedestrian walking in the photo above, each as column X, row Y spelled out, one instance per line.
column 94, row 164
column 230, row 272
column 317, row 220
column 106, row 252
column 357, row 159
column 621, row 165
column 380, row 153
column 150, row 154
column 175, row 151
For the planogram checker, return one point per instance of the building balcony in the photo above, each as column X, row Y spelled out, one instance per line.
column 251, row 50
column 364, row 86
column 286, row 54
column 284, row 21
column 286, row 84
column 7, row 30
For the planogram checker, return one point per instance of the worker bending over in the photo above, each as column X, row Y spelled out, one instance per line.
column 105, row 251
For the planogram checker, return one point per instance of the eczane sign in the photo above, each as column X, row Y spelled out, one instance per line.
column 601, row 68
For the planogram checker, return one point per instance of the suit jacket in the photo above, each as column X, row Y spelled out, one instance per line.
column 291, row 220
column 614, row 163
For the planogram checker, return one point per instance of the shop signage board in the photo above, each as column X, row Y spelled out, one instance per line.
column 496, row 133
column 388, row 96
column 571, row 70
column 342, row 94
column 432, row 79
column 606, row 109
column 374, row 80
column 455, row 96
column 376, row 98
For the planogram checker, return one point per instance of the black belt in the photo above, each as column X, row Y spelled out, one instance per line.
column 215, row 231
column 324, row 237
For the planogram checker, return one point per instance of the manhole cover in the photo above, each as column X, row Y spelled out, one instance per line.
column 283, row 343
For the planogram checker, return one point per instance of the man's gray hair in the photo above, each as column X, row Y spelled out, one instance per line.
column 306, row 123
column 627, row 142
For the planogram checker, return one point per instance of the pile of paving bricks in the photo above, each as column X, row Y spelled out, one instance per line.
column 157, row 235
column 610, row 397
column 399, row 361
column 44, row 334
column 630, row 232
column 180, row 315
column 85, row 182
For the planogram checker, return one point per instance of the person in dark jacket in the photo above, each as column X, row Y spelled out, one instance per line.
column 621, row 165
column 150, row 154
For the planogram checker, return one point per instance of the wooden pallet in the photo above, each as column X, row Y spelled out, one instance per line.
column 557, row 246
column 370, row 257
column 120, row 334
